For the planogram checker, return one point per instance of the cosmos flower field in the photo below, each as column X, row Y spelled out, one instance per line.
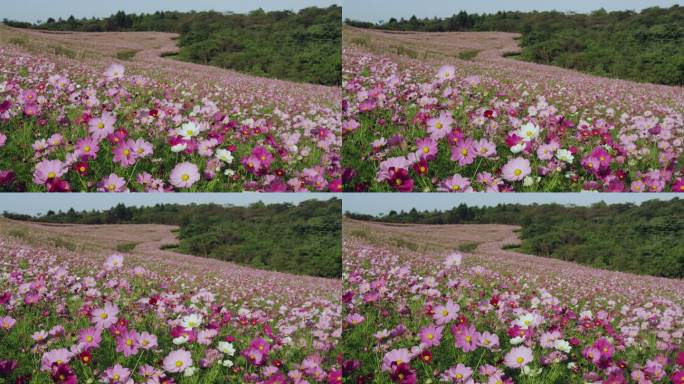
column 496, row 124
column 86, row 121
column 494, row 316
column 77, row 317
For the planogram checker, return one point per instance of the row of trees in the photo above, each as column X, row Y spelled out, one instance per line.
column 643, row 46
column 302, row 46
column 301, row 239
column 646, row 238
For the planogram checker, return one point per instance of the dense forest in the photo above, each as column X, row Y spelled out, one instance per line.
column 300, row 239
column 644, row 239
column 301, row 46
column 644, row 46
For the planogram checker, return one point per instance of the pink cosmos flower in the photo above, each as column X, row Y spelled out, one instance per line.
column 458, row 374
column 446, row 72
column 115, row 72
column 518, row 357
column 484, row 148
column 114, row 261
column 178, row 361
column 440, row 127
column 147, row 340
column 3, row 139
column 355, row 319
column 453, row 260
column 90, row 338
column 445, row 313
column 116, row 374
column 184, row 175
column 105, row 317
column 464, row 152
column 124, row 155
column 140, row 147
column 431, row 335
column 7, row 323
column 516, row 169
column 112, row 183
column 427, row 148
column 87, row 148
column 456, row 183
column 48, row 170
column 101, row 127
column 56, row 356
column 395, row 357
column 489, row 341
column 127, row 343
column 467, row 338
column 546, row 151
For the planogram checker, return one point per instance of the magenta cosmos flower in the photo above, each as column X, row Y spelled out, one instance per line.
column 6, row 323
column 439, row 127
column 48, row 170
column 101, row 127
column 177, row 361
column 426, row 148
column 87, row 148
column 124, row 155
column 127, row 343
column 466, row 338
column 184, row 175
column 518, row 357
column 458, row 374
column 114, row 261
column 447, row 72
column 90, row 338
column 516, row 169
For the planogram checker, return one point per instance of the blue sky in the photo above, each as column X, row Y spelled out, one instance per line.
column 375, row 10
column 34, row 203
column 33, row 10
column 376, row 203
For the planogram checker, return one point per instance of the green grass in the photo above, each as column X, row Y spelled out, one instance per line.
column 468, row 247
column 127, row 54
column 469, row 54
column 126, row 247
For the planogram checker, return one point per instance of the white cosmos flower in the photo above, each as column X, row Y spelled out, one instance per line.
column 189, row 371
column 191, row 321
column 180, row 340
column 562, row 345
column 179, row 147
column 226, row 347
column 517, row 340
column 564, row 155
column 229, row 172
column 224, row 155
column 227, row 363
column 188, row 130
column 528, row 132
column 518, row 147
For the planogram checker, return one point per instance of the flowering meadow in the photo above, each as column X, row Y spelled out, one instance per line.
column 82, row 120
column 415, row 312
column 418, row 118
column 158, row 317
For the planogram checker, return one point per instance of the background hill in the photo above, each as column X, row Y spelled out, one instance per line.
column 644, row 239
column 646, row 46
column 300, row 239
column 302, row 46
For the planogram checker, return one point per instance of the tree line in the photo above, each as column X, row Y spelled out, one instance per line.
column 301, row 46
column 301, row 239
column 643, row 46
column 644, row 239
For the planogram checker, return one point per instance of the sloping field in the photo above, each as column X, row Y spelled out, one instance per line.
column 218, row 129
column 450, row 112
column 68, row 271
column 568, row 323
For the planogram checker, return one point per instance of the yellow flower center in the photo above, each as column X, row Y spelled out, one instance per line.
column 429, row 336
column 426, row 149
column 179, row 363
column 455, row 188
column 100, row 125
column 520, row 360
column 464, row 151
column 89, row 338
column 86, row 148
column 126, row 152
column 51, row 175
column 517, row 172
column 103, row 315
column 438, row 125
column 185, row 177
column 445, row 312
